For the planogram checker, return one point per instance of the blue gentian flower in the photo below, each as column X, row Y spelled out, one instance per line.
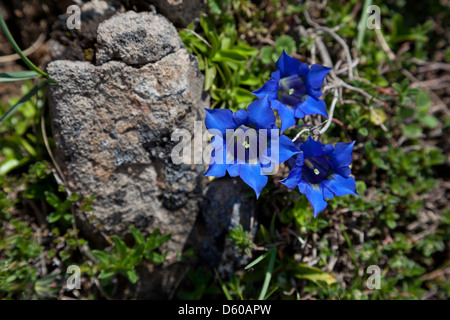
column 250, row 166
column 321, row 172
column 294, row 90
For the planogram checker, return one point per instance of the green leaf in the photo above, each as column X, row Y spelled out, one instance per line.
column 229, row 55
column 18, row 76
column 106, row 274
column 8, row 165
column 102, row 256
column 266, row 55
column 412, row 130
column 302, row 271
column 287, row 43
column 120, row 247
column 429, row 121
column 214, row 6
column 132, row 276
column 155, row 257
column 137, row 235
column 52, row 199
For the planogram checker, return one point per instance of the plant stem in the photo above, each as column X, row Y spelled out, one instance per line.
column 18, row 50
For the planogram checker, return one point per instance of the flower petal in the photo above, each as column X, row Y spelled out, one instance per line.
column 289, row 66
column 341, row 186
column 220, row 119
column 234, row 169
column 240, row 116
column 261, row 114
column 314, row 194
column 314, row 79
column 342, row 154
column 310, row 106
column 312, row 148
column 270, row 89
column 341, row 158
column 216, row 170
column 251, row 175
column 295, row 175
column 286, row 114
column 287, row 149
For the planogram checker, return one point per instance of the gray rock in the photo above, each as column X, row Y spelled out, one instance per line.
column 112, row 125
column 136, row 38
column 180, row 12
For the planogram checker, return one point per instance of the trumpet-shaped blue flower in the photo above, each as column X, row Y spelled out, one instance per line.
column 259, row 150
column 321, row 172
column 294, row 90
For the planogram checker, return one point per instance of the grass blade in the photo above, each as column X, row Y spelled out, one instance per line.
column 223, row 286
column 269, row 272
column 18, row 76
column 24, row 99
column 363, row 24
column 10, row 38
column 256, row 261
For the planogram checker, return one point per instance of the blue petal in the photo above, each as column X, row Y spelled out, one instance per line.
column 270, row 89
column 314, row 80
column 295, row 175
column 240, row 116
column 314, row 194
column 342, row 154
column 340, row 186
column 276, row 75
column 261, row 114
column 287, row 149
column 341, row 158
column 286, row 114
column 312, row 148
column 311, row 106
column 216, row 170
column 327, row 194
column 289, row 66
column 220, row 119
column 234, row 169
column 251, row 175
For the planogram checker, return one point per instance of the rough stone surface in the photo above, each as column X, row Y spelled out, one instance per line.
column 180, row 12
column 136, row 38
column 112, row 125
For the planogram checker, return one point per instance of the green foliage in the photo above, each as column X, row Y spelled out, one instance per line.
column 241, row 238
column 123, row 259
column 224, row 59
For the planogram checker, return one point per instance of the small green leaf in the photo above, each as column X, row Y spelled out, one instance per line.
column 102, row 256
column 105, row 274
column 412, row 130
column 132, row 276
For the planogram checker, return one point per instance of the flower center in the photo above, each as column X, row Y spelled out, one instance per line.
column 316, row 169
column 291, row 90
column 244, row 145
